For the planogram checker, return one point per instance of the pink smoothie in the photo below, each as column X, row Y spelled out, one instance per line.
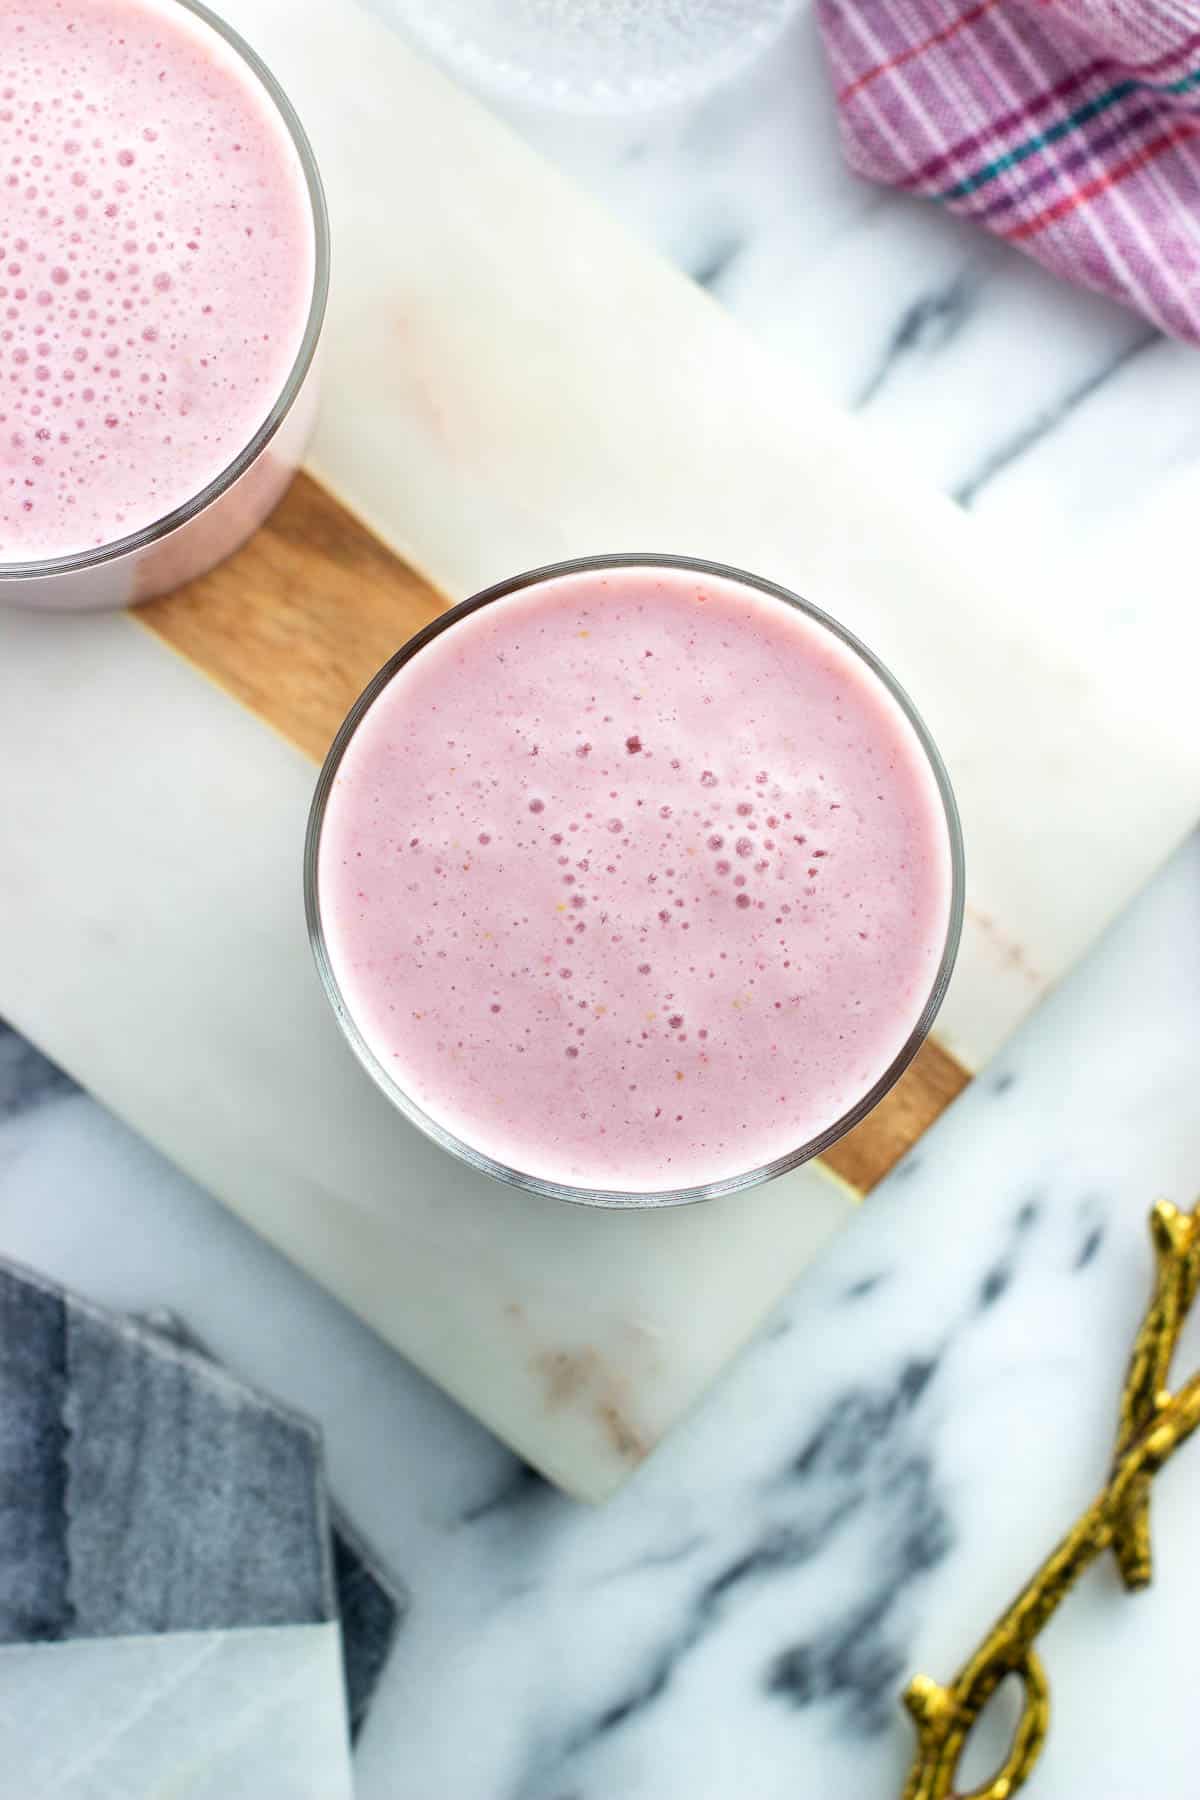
column 635, row 880
column 156, row 266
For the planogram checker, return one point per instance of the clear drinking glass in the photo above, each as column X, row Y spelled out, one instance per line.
column 605, row 1197
column 593, row 55
column 208, row 527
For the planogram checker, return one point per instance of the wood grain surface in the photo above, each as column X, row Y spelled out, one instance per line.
column 932, row 1080
column 298, row 621
column 296, row 624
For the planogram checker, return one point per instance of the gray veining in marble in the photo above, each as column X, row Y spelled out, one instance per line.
column 26, row 1076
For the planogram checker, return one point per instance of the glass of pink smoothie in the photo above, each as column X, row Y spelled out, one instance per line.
column 164, row 262
column 634, row 880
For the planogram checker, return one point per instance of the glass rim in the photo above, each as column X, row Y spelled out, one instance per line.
column 608, row 1197
column 233, row 470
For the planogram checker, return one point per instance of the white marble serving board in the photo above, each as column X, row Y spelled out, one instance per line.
column 511, row 379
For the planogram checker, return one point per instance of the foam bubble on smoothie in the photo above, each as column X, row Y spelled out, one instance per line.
column 635, row 880
column 156, row 266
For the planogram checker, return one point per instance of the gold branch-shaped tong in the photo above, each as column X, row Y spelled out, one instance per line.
column 1154, row 1423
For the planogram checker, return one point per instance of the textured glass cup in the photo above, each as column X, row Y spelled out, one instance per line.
column 601, row 1196
column 595, row 56
column 209, row 526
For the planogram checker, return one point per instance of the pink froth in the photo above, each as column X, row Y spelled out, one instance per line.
column 156, row 266
column 635, row 880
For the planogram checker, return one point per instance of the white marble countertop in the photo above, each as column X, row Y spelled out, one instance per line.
column 908, row 1435
column 937, row 1397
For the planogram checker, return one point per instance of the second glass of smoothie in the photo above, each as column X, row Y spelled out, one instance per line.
column 634, row 881
column 163, row 272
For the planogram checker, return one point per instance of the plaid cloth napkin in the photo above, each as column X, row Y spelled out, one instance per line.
column 1069, row 127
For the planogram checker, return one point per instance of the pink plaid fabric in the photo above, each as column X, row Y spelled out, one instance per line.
column 1069, row 127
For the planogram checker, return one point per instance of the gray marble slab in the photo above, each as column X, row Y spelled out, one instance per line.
column 142, row 1489
column 371, row 1605
column 370, row 1600
column 34, row 1603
